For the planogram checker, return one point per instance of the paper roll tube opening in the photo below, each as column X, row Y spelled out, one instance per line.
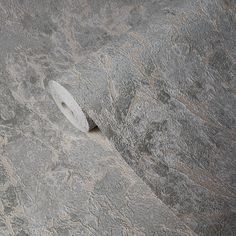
column 70, row 108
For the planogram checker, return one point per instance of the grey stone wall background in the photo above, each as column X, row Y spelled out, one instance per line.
column 158, row 77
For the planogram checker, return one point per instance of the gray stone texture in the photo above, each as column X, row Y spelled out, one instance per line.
column 157, row 77
column 56, row 181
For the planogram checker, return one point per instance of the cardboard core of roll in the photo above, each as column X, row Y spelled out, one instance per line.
column 68, row 106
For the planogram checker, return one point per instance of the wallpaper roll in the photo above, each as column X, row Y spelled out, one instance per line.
column 163, row 93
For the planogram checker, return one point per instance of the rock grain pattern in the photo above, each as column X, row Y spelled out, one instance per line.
column 157, row 77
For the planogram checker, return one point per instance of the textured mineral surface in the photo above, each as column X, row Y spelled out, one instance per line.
column 158, row 78
column 54, row 181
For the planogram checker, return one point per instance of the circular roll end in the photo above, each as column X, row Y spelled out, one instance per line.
column 69, row 107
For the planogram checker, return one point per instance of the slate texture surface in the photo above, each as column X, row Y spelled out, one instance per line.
column 158, row 78
column 55, row 181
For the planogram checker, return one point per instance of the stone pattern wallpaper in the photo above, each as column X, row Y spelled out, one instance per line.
column 158, row 78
